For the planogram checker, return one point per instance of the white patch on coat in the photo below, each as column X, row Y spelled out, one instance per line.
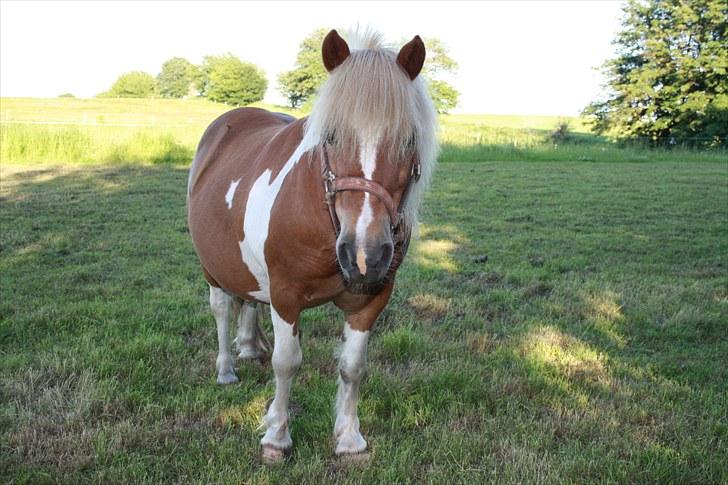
column 258, row 209
column 368, row 160
column 231, row 192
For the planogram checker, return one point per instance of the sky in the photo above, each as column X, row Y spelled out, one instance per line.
column 515, row 57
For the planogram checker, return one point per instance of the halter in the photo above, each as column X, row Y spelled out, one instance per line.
column 334, row 184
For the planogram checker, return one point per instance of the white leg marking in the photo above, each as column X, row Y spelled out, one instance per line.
column 352, row 367
column 262, row 196
column 250, row 341
column 286, row 360
column 231, row 192
column 224, row 307
column 368, row 160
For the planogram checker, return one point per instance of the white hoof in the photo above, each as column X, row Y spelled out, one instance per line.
column 273, row 455
column 225, row 369
column 227, row 378
column 250, row 351
column 350, row 443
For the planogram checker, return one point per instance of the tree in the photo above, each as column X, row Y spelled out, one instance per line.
column 444, row 96
column 667, row 83
column 229, row 80
column 135, row 84
column 300, row 83
column 176, row 78
column 439, row 65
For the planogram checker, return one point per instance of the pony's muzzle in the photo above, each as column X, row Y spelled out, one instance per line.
column 368, row 264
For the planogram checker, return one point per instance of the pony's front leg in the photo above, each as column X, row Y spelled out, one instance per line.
column 286, row 360
column 352, row 367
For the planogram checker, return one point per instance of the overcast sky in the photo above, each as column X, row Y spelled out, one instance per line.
column 518, row 57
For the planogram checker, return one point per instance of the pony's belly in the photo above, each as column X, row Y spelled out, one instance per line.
column 221, row 259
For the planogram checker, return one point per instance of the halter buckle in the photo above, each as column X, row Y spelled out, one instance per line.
column 329, row 179
column 416, row 171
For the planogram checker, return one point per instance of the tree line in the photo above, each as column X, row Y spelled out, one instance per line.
column 223, row 78
column 668, row 84
column 230, row 80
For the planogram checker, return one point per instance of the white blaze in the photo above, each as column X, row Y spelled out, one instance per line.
column 368, row 160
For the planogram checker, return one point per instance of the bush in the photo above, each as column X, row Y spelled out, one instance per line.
column 232, row 81
column 561, row 133
column 135, row 84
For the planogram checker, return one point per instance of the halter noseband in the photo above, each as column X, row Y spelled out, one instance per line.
column 334, row 184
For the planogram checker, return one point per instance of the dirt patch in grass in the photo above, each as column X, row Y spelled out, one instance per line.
column 428, row 306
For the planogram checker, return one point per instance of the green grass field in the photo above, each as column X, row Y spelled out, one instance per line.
column 557, row 322
column 112, row 131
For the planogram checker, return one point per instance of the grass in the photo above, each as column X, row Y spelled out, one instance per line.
column 557, row 322
column 109, row 131
column 104, row 131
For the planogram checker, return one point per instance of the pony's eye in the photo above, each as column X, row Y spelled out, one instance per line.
column 331, row 138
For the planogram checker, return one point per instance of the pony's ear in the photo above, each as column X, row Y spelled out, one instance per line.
column 412, row 56
column 334, row 50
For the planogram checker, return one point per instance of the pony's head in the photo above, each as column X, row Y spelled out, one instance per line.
column 373, row 119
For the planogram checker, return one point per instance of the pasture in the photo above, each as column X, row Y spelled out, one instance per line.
column 157, row 131
column 557, row 322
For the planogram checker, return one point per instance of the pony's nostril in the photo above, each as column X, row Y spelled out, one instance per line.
column 381, row 257
column 345, row 252
column 387, row 251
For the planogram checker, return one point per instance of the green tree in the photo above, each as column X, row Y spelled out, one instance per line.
column 444, row 96
column 227, row 79
column 300, row 83
column 667, row 83
column 176, row 78
column 438, row 66
column 135, row 84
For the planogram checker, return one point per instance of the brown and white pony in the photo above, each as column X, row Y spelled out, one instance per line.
column 297, row 213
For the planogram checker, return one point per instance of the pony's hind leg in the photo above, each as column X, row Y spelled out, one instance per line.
column 251, row 342
column 224, row 308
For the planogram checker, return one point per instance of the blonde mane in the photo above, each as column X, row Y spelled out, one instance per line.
column 369, row 95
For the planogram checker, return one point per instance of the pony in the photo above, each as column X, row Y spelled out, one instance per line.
column 295, row 213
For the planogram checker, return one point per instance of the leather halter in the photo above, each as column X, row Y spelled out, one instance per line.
column 334, row 184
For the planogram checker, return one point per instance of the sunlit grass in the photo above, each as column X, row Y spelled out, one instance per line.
column 67, row 130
